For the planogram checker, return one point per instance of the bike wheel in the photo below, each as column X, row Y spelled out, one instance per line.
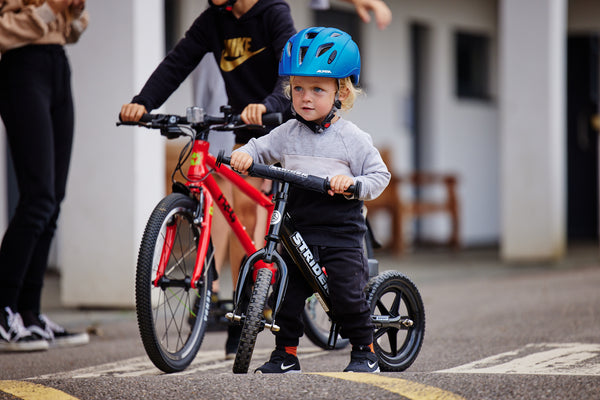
column 317, row 325
column 254, row 321
column 392, row 294
column 172, row 317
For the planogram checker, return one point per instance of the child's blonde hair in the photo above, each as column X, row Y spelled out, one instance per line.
column 343, row 84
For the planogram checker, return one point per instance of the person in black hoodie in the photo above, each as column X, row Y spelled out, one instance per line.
column 246, row 38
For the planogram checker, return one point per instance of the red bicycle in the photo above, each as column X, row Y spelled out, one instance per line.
column 175, row 266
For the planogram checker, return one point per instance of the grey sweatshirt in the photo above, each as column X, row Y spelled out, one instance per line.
column 342, row 149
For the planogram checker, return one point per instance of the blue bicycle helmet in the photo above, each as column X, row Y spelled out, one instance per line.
column 318, row 51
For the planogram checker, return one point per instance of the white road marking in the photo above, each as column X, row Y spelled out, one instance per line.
column 142, row 366
column 539, row 359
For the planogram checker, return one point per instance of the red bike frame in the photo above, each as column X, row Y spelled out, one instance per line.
column 201, row 182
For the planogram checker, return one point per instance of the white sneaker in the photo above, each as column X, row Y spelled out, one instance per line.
column 56, row 335
column 15, row 337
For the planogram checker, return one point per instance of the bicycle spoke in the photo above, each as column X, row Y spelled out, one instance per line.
column 395, row 307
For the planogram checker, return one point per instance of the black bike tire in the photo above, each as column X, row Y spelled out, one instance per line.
column 403, row 354
column 148, row 318
column 254, row 321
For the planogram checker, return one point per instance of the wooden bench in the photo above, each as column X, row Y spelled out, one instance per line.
column 403, row 208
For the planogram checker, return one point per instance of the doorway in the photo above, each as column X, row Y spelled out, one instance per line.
column 582, row 137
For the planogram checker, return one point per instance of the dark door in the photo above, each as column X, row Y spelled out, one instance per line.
column 582, row 138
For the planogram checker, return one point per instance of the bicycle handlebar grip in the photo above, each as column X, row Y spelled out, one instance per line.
column 272, row 119
column 147, row 118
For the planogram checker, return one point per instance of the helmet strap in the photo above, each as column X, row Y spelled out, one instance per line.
column 326, row 123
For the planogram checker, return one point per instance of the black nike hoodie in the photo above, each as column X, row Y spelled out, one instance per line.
column 247, row 51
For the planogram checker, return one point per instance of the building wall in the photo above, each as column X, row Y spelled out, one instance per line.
column 459, row 137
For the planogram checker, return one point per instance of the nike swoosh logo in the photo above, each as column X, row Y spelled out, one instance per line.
column 372, row 365
column 229, row 65
column 286, row 367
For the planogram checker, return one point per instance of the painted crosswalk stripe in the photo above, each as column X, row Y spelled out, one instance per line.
column 539, row 359
column 408, row 389
column 32, row 391
column 142, row 366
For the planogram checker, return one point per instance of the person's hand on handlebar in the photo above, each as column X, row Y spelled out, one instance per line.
column 252, row 114
column 339, row 184
column 132, row 112
column 241, row 161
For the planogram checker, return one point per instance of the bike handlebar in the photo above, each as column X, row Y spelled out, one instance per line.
column 296, row 178
column 227, row 122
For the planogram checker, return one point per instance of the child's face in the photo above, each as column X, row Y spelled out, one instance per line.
column 312, row 96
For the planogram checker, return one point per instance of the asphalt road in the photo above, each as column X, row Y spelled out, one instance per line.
column 494, row 331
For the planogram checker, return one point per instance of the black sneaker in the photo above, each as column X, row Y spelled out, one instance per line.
column 55, row 334
column 280, row 363
column 362, row 361
column 15, row 337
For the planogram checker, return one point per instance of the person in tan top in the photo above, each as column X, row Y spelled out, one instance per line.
column 36, row 107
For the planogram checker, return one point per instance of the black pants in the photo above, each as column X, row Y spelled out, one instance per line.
column 347, row 275
column 36, row 107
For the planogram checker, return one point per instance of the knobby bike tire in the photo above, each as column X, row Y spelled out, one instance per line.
column 172, row 320
column 393, row 294
column 254, row 321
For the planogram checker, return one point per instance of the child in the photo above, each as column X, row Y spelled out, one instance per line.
column 246, row 38
column 324, row 65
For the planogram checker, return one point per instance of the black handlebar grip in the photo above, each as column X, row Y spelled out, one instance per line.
column 146, row 118
column 272, row 119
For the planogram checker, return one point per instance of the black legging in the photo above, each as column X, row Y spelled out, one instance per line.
column 36, row 107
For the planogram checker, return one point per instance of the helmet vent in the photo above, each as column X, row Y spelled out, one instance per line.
column 303, row 51
column 335, row 34
column 288, row 49
column 311, row 35
column 323, row 48
column 332, row 57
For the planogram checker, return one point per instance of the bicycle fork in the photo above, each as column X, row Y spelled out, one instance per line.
column 266, row 255
column 202, row 219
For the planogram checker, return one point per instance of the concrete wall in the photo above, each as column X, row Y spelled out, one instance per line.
column 116, row 175
column 533, row 129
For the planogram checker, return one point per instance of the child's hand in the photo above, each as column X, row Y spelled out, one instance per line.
column 132, row 112
column 252, row 114
column 241, row 161
column 339, row 184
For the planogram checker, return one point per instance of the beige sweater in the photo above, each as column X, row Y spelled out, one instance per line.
column 22, row 25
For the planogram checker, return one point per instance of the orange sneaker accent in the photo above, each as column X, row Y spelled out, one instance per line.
column 371, row 347
column 291, row 350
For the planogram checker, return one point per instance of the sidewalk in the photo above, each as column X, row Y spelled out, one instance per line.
column 423, row 266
